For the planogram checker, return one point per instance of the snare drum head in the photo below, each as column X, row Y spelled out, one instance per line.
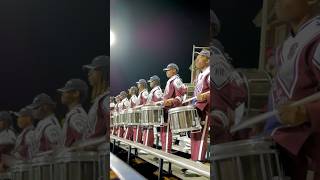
column 77, row 156
column 180, row 109
column 151, row 107
column 258, row 85
column 242, row 147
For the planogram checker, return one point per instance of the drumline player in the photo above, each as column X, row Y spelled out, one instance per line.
column 133, row 96
column 112, row 107
column 116, row 110
column 155, row 95
column 23, row 148
column 121, row 108
column 133, row 101
column 297, row 129
column 75, row 124
column 7, row 137
column 142, row 100
column 199, row 139
column 228, row 91
column 48, row 132
column 125, row 105
column 99, row 116
column 173, row 97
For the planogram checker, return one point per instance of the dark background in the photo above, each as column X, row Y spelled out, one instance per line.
column 238, row 34
column 44, row 43
column 152, row 34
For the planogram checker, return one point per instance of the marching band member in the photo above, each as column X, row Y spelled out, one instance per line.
column 228, row 91
column 125, row 105
column 112, row 103
column 297, row 129
column 154, row 96
column 47, row 133
column 99, row 112
column 76, row 120
column 112, row 109
column 116, row 109
column 173, row 96
column 24, row 147
column 7, row 138
column 199, row 140
column 133, row 101
column 142, row 99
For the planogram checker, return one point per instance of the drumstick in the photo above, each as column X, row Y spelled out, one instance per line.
column 263, row 117
column 193, row 98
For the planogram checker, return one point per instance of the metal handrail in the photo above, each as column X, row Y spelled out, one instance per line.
column 185, row 163
column 123, row 170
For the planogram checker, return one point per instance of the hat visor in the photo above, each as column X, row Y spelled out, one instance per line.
column 34, row 105
column 17, row 114
column 166, row 69
column 149, row 81
column 64, row 89
column 88, row 67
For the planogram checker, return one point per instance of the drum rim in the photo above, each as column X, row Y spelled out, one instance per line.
column 242, row 154
column 151, row 107
column 187, row 129
column 181, row 108
column 76, row 156
column 41, row 160
column 243, row 147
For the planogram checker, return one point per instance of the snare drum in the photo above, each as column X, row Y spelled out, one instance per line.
column 246, row 160
column 21, row 170
column 122, row 118
column 115, row 118
column 103, row 156
column 258, row 85
column 183, row 119
column 135, row 116
column 152, row 116
column 41, row 168
column 76, row 166
column 5, row 176
column 111, row 120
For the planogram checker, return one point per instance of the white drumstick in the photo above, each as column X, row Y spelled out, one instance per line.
column 193, row 98
column 263, row 117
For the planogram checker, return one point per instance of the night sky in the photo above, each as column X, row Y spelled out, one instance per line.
column 239, row 35
column 44, row 43
column 151, row 34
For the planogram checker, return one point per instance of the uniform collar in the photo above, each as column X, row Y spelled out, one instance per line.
column 154, row 89
column 303, row 26
column 142, row 91
column 206, row 70
column 173, row 77
column 46, row 120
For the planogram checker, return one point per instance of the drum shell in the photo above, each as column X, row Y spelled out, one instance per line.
column 152, row 116
column 21, row 170
column 112, row 121
column 41, row 168
column 5, row 176
column 246, row 160
column 258, row 85
column 183, row 119
column 122, row 118
column 76, row 165
column 103, row 157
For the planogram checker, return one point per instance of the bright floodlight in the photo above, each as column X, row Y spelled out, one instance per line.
column 112, row 38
